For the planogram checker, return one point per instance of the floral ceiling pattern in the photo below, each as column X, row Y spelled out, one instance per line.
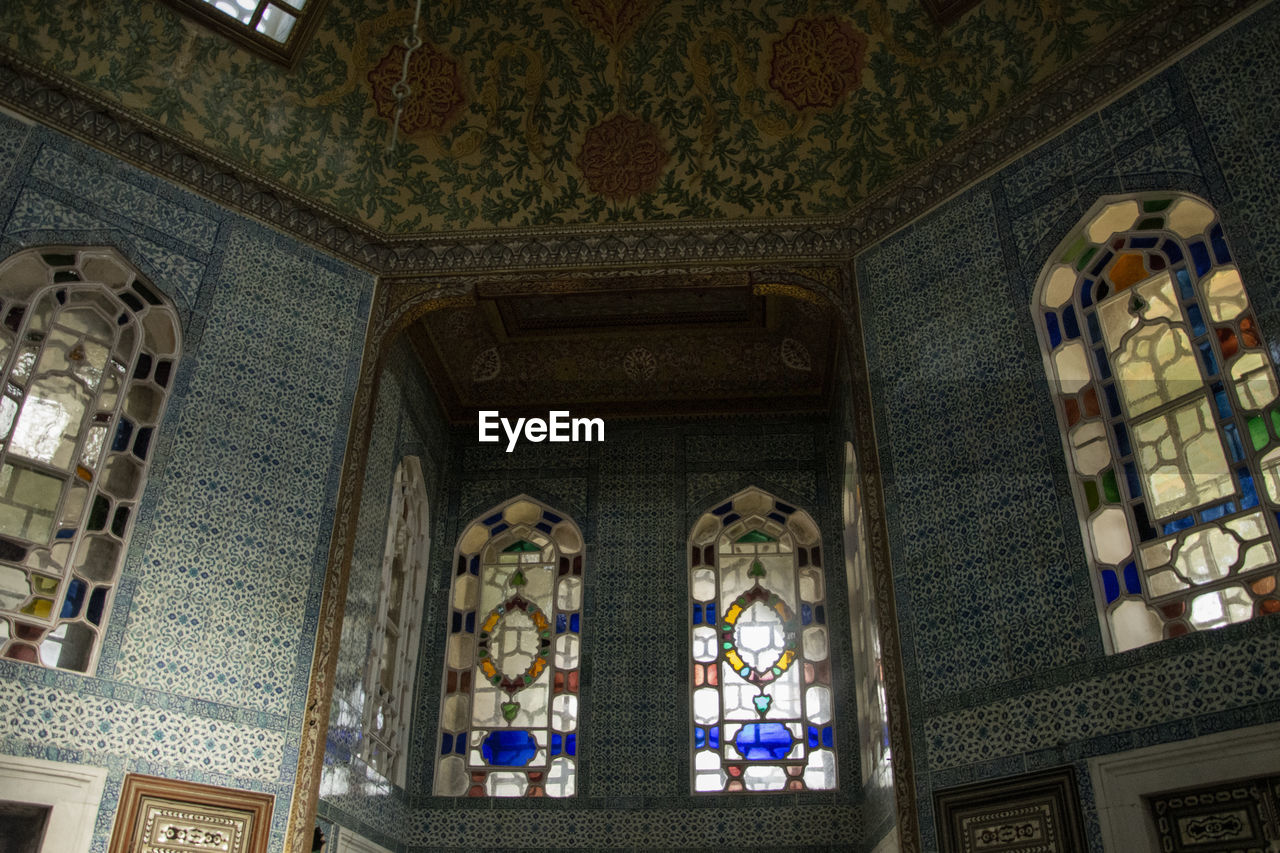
column 565, row 113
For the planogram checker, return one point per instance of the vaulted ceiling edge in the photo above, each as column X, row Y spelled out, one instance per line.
column 1155, row 36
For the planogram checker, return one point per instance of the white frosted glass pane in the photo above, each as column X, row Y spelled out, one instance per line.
column 1089, row 448
column 704, row 644
column 1188, row 217
column 815, row 643
column 49, row 421
column 1072, row 365
column 1271, row 474
column 561, row 778
column 784, row 694
column 504, row 783
column 1156, row 554
column 1181, row 458
column 1164, row 583
column 564, row 712
column 514, row 643
column 1255, row 382
column 567, row 538
column 1207, row 554
column 1111, row 219
column 457, row 708
column 706, row 706
column 820, row 770
column 569, row 596
column 1115, row 319
column 276, row 23
column 810, row 585
column 1060, row 286
column 461, row 651
column 709, row 781
column 241, row 10
column 451, row 777
column 817, row 704
column 1224, row 294
column 1156, row 365
column 1251, row 526
column 706, row 759
column 1262, row 554
column 1133, row 624
column 465, row 588
column 1110, row 535
column 522, row 512
column 704, row 585
column 769, row 778
column 760, row 636
column 739, row 697
column 567, row 651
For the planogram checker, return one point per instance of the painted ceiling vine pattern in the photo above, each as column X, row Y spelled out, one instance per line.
column 545, row 113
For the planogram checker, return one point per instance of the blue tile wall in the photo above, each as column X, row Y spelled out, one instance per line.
column 204, row 666
column 1003, row 655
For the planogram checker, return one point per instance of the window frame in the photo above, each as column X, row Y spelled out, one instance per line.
column 285, row 53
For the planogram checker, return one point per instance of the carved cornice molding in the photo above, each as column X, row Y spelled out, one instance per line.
column 1163, row 31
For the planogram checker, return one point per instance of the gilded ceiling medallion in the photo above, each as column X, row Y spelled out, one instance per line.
column 436, row 94
column 818, row 62
column 622, row 156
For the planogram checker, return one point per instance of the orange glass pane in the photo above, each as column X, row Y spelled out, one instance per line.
column 1265, row 586
column 1228, row 341
column 1072, row 409
column 1249, row 332
column 1128, row 270
column 1091, row 409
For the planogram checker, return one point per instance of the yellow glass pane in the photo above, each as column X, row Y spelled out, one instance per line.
column 1072, row 365
column 1111, row 219
column 1255, row 383
column 1181, row 459
column 1224, row 294
column 1188, row 217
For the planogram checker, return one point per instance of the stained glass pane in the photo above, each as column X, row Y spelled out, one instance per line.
column 1181, row 458
column 513, row 692
column 754, row 688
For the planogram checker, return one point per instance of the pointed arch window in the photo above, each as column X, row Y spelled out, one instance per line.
column 1167, row 400
column 509, row 711
column 89, row 352
column 759, row 670
column 393, row 654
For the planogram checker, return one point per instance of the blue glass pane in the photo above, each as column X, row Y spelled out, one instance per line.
column 446, row 744
column 573, row 623
column 1210, row 363
column 556, row 742
column 731, row 518
column 543, row 526
column 1178, row 524
column 509, row 748
column 1224, row 404
column 1200, row 255
column 1197, row 322
column 493, row 519
column 1184, row 284
column 65, row 533
column 699, row 740
column 75, row 597
column 1249, row 495
column 778, row 517
column 722, row 509
column 1145, row 530
column 124, row 431
column 471, row 622
column 1104, row 366
column 813, row 737
column 715, row 737
column 820, row 613
column 1143, row 242
column 551, row 517
column 764, row 741
column 97, row 601
column 571, row 745
column 1122, row 439
column 1051, row 324
column 1213, row 513
column 806, row 614
column 460, row 745
column 1131, row 579
column 499, row 528
column 474, row 567
column 711, row 614
column 1113, row 401
column 456, row 627
column 562, row 623
column 1110, row 586
column 1131, row 476
column 1070, row 326
column 1233, row 442
column 697, row 614
column 828, row 737
column 781, row 507
column 1095, row 331
column 1219, row 242
column 1086, row 292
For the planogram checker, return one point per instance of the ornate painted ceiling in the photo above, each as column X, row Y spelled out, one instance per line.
column 558, row 114
column 643, row 346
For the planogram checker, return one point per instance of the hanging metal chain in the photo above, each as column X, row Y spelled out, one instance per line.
column 402, row 90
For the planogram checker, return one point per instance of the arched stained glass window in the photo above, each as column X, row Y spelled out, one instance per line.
column 873, row 709
column 760, row 672
column 89, row 353
column 509, row 713
column 1167, row 400
column 393, row 654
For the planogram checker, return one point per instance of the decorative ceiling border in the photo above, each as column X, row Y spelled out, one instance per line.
column 1161, row 34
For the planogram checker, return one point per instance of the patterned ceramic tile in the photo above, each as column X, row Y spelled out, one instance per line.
column 12, row 134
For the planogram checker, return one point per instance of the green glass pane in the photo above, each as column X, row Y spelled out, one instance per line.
column 1073, row 251
column 1109, row 487
column 756, row 536
column 1091, row 495
column 1258, row 432
column 1151, row 223
column 1275, row 421
column 1086, row 257
column 1154, row 205
column 522, row 546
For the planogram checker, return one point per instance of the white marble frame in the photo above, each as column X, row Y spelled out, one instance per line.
column 74, row 791
column 1121, row 780
column 348, row 841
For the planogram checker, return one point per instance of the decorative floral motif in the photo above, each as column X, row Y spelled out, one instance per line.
column 435, row 89
column 795, row 355
column 818, row 62
column 615, row 20
column 640, row 364
column 622, row 156
column 486, row 366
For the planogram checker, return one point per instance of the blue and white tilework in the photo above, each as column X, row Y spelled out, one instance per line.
column 204, row 666
column 1003, row 658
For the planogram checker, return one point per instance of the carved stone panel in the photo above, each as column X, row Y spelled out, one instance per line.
column 1240, row 817
column 165, row 816
column 1039, row 812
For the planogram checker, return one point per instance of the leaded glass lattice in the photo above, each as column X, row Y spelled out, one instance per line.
column 509, row 712
column 760, row 670
column 89, row 352
column 1167, row 399
column 393, row 653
